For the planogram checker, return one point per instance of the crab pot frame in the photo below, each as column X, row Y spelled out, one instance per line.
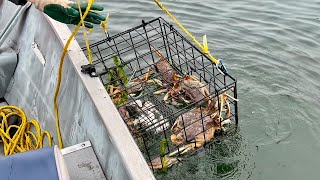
column 149, row 118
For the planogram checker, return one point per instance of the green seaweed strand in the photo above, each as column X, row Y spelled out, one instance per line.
column 120, row 71
column 163, row 145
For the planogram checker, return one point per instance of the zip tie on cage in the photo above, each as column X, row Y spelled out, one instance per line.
column 203, row 47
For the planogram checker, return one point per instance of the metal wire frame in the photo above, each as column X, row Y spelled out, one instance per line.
column 135, row 48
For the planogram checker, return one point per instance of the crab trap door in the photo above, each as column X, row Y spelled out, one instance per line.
column 173, row 99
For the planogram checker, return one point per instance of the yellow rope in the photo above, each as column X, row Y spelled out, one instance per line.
column 23, row 139
column 204, row 47
column 85, row 32
column 90, row 2
column 104, row 24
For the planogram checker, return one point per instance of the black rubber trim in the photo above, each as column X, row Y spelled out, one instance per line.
column 2, row 100
column 19, row 2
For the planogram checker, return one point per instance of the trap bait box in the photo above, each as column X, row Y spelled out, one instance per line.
column 172, row 97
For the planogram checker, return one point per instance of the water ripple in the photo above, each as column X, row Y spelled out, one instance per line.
column 272, row 48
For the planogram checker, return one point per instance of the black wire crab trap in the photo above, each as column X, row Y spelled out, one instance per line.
column 172, row 97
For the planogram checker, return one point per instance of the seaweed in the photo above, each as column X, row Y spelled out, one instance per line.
column 117, row 77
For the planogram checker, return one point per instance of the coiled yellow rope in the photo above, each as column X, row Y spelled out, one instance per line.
column 56, row 109
column 24, row 138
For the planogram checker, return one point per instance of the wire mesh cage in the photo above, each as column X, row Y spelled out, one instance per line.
column 172, row 97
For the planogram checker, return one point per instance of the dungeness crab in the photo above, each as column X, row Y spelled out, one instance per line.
column 163, row 68
column 196, row 124
column 186, row 89
column 189, row 89
column 199, row 125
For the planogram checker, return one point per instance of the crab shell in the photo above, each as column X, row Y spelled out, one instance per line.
column 123, row 112
column 187, row 119
column 135, row 86
column 164, row 68
column 189, row 89
column 130, row 121
column 200, row 140
column 166, row 71
column 192, row 124
column 195, row 130
column 224, row 99
column 194, row 89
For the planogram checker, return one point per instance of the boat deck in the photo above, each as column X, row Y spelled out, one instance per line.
column 87, row 112
column 81, row 160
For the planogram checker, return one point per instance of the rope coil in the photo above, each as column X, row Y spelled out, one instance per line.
column 17, row 136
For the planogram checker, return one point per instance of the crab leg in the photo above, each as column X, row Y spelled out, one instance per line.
column 166, row 97
column 221, row 106
column 147, row 75
column 160, row 91
column 190, row 147
column 199, row 142
column 182, row 150
column 156, row 81
column 158, row 53
column 232, row 97
column 224, row 99
column 228, row 110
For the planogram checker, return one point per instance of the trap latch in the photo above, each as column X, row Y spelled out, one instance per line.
column 89, row 69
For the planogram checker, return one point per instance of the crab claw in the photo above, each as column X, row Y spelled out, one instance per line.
column 188, row 78
column 176, row 77
column 225, row 122
column 158, row 53
column 147, row 75
column 166, row 97
column 232, row 97
column 176, row 139
column 162, row 162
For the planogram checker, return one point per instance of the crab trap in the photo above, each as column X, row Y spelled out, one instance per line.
column 172, row 97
